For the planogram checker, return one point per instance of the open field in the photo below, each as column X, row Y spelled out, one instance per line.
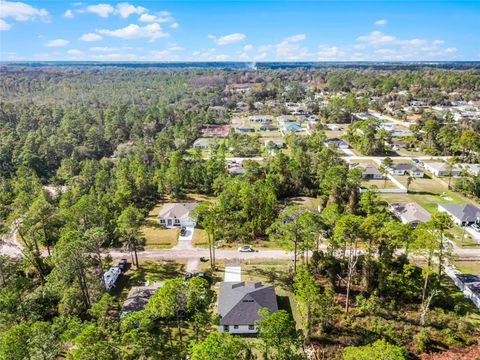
column 467, row 266
column 428, row 200
column 379, row 184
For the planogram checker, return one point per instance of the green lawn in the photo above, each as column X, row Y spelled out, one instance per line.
column 379, row 184
column 468, row 266
column 157, row 236
column 277, row 273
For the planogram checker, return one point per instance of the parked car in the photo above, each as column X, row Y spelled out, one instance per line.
column 183, row 231
column 476, row 227
column 188, row 275
column 246, row 248
column 122, row 264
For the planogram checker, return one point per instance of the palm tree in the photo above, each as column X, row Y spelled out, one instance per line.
column 410, row 180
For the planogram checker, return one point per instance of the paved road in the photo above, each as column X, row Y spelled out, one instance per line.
column 230, row 254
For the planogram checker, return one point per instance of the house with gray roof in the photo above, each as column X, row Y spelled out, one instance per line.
column 138, row 297
column 462, row 214
column 405, row 169
column 239, row 303
column 442, row 169
column 177, row 214
column 410, row 212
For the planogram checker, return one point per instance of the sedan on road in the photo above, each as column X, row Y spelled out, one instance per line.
column 246, row 248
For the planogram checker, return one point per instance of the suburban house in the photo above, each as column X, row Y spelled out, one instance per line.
column 268, row 127
column 283, row 119
column 405, row 169
column 462, row 214
column 236, row 170
column 238, row 305
column 441, row 169
column 338, row 143
column 204, row 143
column 333, row 127
column 244, row 129
column 278, row 143
column 263, row 119
column 293, row 127
column 368, row 171
column 137, row 298
column 400, row 144
column 177, row 214
column 410, row 212
column 473, row 169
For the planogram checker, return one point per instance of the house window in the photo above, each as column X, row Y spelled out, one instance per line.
column 251, row 327
column 225, row 328
column 235, row 327
column 162, row 221
column 177, row 221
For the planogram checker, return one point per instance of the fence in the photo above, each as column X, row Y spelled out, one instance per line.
column 471, row 289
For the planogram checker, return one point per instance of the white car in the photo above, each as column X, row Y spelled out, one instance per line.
column 246, row 248
column 476, row 227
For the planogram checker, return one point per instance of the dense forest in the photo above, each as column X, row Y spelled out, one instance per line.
column 86, row 153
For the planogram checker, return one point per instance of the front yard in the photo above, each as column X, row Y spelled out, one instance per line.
column 157, row 236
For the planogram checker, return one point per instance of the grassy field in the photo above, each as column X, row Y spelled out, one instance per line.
column 468, row 266
column 426, row 199
column 278, row 273
column 155, row 235
column 379, row 184
column 199, row 237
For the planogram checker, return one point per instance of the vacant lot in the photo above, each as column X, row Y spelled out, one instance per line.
column 468, row 266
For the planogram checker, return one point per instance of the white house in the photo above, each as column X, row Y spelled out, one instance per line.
column 177, row 214
column 404, row 169
column 410, row 212
column 462, row 214
column 238, row 305
column 441, row 169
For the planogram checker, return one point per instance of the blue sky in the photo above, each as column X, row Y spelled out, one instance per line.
column 240, row 30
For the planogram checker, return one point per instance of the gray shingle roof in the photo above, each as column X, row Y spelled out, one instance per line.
column 464, row 212
column 238, row 303
column 176, row 210
column 410, row 211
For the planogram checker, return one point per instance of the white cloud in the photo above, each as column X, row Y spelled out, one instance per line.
column 20, row 11
column 57, row 43
column 74, row 52
column 102, row 49
column 248, row 47
column 102, row 10
column 4, row 26
column 133, row 31
column 125, row 10
column 295, row 38
column 68, row 14
column 381, row 22
column 376, row 38
column 227, row 39
column 174, row 25
column 148, row 18
column 290, row 48
column 90, row 37
column 329, row 53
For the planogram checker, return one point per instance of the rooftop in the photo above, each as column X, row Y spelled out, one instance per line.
column 176, row 210
column 464, row 212
column 410, row 211
column 239, row 302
